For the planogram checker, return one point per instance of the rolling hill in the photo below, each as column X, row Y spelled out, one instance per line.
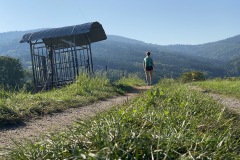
column 121, row 53
column 223, row 50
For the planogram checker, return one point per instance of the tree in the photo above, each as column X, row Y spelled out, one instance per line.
column 192, row 76
column 11, row 71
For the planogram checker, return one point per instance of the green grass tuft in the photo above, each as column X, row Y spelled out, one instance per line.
column 229, row 87
column 16, row 107
column 168, row 122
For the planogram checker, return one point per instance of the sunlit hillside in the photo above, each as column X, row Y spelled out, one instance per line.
column 127, row 54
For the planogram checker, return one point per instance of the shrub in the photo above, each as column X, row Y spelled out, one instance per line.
column 192, row 76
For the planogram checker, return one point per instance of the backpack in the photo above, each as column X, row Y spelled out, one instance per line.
column 148, row 61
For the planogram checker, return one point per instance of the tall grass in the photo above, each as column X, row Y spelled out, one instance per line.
column 127, row 82
column 16, row 107
column 229, row 87
column 168, row 122
column 131, row 80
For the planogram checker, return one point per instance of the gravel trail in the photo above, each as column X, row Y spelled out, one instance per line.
column 60, row 121
column 230, row 102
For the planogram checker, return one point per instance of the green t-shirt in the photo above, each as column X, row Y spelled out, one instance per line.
column 148, row 61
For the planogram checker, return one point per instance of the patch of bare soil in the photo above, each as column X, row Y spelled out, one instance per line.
column 230, row 102
column 60, row 121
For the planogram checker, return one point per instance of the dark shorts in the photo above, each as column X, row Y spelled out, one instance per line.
column 149, row 68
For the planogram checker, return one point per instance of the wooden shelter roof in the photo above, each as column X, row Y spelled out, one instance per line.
column 82, row 34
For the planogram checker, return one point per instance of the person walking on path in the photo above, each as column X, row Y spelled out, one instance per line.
column 148, row 67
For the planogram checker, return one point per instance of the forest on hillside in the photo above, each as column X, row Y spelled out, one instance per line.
column 223, row 50
column 128, row 54
column 216, row 59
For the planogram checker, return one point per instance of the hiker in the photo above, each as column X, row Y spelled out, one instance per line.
column 148, row 67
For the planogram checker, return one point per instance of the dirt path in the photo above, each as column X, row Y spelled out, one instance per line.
column 230, row 102
column 60, row 121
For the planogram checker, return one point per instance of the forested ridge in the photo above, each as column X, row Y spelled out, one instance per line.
column 224, row 50
column 215, row 59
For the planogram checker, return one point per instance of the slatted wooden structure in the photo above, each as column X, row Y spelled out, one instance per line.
column 60, row 54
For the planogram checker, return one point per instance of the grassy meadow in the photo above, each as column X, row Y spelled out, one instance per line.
column 170, row 121
column 16, row 107
column 228, row 87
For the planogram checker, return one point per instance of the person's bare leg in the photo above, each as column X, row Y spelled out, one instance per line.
column 147, row 76
column 151, row 75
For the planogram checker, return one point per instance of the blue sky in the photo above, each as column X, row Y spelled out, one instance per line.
column 153, row 21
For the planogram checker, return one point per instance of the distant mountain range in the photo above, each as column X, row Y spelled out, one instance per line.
column 219, row 58
column 224, row 50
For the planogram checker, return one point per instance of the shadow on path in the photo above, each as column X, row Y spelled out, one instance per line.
column 62, row 120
